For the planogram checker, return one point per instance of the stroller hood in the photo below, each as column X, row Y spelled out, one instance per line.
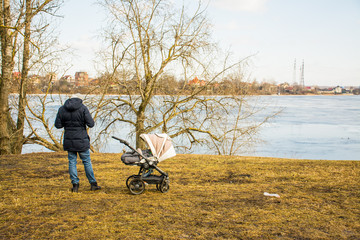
column 160, row 145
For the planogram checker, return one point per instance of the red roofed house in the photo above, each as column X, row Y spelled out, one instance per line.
column 197, row 82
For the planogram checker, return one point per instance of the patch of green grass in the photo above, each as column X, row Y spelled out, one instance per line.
column 210, row 197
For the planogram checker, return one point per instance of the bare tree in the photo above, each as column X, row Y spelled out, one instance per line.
column 149, row 39
column 146, row 38
column 17, row 18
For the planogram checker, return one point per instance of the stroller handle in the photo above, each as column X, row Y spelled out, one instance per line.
column 121, row 140
column 128, row 145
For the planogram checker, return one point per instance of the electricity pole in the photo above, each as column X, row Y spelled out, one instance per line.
column 302, row 82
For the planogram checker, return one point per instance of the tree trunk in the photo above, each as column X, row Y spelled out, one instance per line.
column 6, row 70
column 139, row 127
column 18, row 138
column 140, row 120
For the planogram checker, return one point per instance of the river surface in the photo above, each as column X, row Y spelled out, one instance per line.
column 309, row 127
column 314, row 127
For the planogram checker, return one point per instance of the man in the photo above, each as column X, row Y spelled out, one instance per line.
column 74, row 116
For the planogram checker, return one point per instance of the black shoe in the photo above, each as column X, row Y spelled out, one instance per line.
column 75, row 187
column 94, row 186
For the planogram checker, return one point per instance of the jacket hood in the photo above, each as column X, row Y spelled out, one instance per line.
column 73, row 104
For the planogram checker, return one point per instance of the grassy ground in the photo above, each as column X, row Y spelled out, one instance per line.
column 209, row 198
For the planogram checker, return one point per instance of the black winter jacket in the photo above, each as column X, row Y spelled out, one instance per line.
column 74, row 116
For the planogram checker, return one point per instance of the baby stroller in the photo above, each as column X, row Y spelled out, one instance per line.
column 161, row 148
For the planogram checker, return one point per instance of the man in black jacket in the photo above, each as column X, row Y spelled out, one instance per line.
column 74, row 116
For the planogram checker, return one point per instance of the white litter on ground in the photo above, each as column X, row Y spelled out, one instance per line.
column 271, row 194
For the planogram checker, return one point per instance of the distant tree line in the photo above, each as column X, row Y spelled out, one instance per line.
column 169, row 85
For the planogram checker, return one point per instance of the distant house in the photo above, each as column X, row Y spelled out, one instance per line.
column 338, row 90
column 68, row 79
column 16, row 75
column 35, row 79
column 197, row 82
column 283, row 85
column 289, row 89
column 81, row 79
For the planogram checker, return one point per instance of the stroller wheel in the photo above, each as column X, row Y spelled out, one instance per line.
column 163, row 186
column 129, row 179
column 136, row 186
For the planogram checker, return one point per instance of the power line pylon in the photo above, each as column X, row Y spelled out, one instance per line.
column 302, row 81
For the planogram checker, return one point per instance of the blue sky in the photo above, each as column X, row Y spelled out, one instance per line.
column 323, row 33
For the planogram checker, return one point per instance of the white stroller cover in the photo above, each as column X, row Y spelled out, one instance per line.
column 160, row 145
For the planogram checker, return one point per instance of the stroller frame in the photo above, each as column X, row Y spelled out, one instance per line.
column 136, row 183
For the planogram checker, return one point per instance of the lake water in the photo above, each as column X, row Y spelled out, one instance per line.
column 309, row 127
column 314, row 127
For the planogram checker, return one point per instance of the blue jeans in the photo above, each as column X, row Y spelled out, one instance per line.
column 85, row 157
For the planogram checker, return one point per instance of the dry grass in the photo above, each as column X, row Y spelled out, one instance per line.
column 210, row 198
